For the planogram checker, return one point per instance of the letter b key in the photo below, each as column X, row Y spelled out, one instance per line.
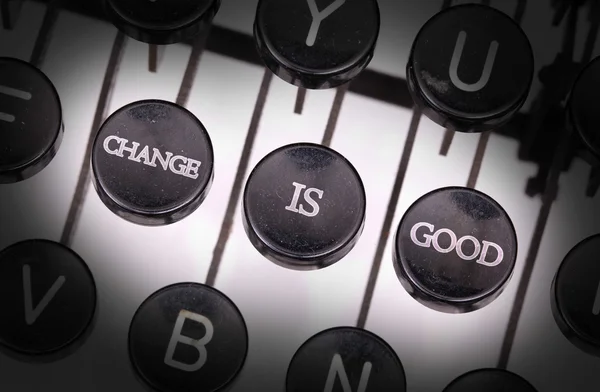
column 188, row 336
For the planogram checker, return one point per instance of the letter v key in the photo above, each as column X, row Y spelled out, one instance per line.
column 31, row 313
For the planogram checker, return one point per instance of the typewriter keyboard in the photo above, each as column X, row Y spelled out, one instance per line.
column 347, row 195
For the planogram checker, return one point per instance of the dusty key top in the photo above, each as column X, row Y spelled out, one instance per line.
column 152, row 162
column 490, row 380
column 161, row 22
column 31, row 127
column 583, row 106
column 347, row 357
column 576, row 296
column 455, row 250
column 48, row 301
column 316, row 44
column 304, row 206
column 188, row 337
column 470, row 68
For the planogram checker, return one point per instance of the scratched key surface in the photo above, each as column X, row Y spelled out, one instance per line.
column 249, row 113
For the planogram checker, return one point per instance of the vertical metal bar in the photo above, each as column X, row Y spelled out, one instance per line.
column 10, row 12
column 300, row 98
column 478, row 160
column 520, row 11
column 239, row 179
column 592, row 36
column 101, row 113
column 334, row 114
column 548, row 198
column 389, row 217
column 45, row 34
column 192, row 67
column 155, row 55
column 593, row 181
column 446, row 142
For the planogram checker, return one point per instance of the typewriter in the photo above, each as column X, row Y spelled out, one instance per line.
column 299, row 195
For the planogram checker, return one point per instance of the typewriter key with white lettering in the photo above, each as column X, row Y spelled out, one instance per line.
column 304, row 206
column 315, row 44
column 490, row 380
column 575, row 296
column 31, row 126
column 455, row 250
column 152, row 163
column 470, row 68
column 347, row 357
column 161, row 22
column 188, row 337
column 48, row 301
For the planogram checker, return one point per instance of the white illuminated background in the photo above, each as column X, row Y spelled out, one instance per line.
column 283, row 308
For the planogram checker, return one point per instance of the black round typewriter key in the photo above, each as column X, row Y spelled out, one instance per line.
column 152, row 162
column 316, row 44
column 31, row 127
column 161, row 22
column 48, row 301
column 455, row 250
column 490, row 380
column 575, row 296
column 304, row 206
column 583, row 113
column 470, row 68
column 352, row 359
column 188, row 337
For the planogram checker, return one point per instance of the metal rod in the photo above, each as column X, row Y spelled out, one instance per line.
column 239, row 179
column 101, row 112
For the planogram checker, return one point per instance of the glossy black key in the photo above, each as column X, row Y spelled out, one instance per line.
column 316, row 44
column 161, row 22
column 31, row 127
column 470, row 68
column 455, row 250
column 576, row 296
column 304, row 206
column 345, row 358
column 490, row 380
column 152, row 163
column 188, row 337
column 583, row 106
column 48, row 301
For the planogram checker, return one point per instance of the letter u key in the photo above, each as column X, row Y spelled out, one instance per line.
column 487, row 69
